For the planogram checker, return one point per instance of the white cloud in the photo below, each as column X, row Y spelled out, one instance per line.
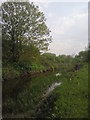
column 70, row 34
column 47, row 1
column 50, row 15
column 66, row 47
column 66, row 24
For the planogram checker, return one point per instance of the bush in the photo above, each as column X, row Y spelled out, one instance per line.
column 10, row 73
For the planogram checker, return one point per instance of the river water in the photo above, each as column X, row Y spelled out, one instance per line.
column 52, row 87
column 27, row 93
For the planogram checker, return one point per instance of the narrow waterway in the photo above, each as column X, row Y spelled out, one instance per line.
column 47, row 95
column 26, row 94
column 52, row 87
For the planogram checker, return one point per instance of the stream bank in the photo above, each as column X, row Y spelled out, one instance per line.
column 68, row 100
column 45, row 106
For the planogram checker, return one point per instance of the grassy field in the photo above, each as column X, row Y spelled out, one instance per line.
column 73, row 96
column 69, row 100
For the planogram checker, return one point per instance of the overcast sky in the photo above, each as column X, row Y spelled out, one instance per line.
column 68, row 22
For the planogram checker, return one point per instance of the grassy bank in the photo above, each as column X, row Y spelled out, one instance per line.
column 24, row 101
column 72, row 95
column 69, row 100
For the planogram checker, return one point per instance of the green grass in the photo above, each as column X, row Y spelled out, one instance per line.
column 70, row 98
column 30, row 96
column 73, row 96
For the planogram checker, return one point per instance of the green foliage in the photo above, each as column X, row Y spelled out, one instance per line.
column 30, row 54
column 29, row 97
column 11, row 104
column 24, row 66
column 10, row 72
column 83, row 56
column 73, row 96
column 23, row 25
column 69, row 100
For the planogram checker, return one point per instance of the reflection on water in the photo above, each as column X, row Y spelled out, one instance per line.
column 58, row 74
column 52, row 87
column 28, row 93
column 12, row 88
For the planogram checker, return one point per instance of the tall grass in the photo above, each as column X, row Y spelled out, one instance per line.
column 69, row 100
column 73, row 96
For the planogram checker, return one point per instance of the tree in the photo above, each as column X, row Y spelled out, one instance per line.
column 23, row 24
column 30, row 54
column 83, row 56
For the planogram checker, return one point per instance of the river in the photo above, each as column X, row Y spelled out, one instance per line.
column 27, row 93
